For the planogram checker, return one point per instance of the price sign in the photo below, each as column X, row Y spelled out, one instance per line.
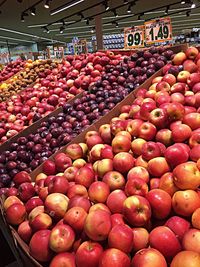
column 134, row 37
column 159, row 30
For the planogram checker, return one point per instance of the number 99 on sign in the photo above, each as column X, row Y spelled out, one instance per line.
column 134, row 39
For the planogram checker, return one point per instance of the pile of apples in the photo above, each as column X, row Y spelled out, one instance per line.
column 11, row 69
column 59, row 85
column 30, row 73
column 28, row 152
column 128, row 195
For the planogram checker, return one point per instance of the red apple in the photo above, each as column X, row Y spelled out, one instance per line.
column 56, row 205
column 136, row 210
column 136, row 146
column 158, row 117
column 113, row 257
column 160, row 202
column 191, row 240
column 176, row 155
column 178, row 225
column 140, row 238
column 21, row 177
column 150, row 150
column 138, row 172
column 84, row 176
column 15, row 214
column 32, row 203
column 62, row 259
column 147, row 131
column 179, row 58
column 121, row 143
column 62, row 162
column 58, row 184
column 148, row 257
column 186, row 176
column 185, row 202
column 123, row 162
column 192, row 120
column 74, row 151
column 167, row 183
column 195, row 219
column 191, row 52
column 88, row 254
column 153, row 166
column 98, row 192
column 185, row 258
column 61, row 238
column 180, row 133
column 115, row 180
column 98, row 225
column 75, row 217
column 165, row 241
column 41, row 221
column 49, row 167
column 121, row 237
column 115, row 201
column 136, row 186
column 39, row 246
column 24, row 231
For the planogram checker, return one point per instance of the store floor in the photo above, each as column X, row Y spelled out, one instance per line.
column 7, row 258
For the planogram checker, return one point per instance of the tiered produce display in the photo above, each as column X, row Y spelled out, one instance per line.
column 11, row 69
column 55, row 87
column 127, row 194
column 117, row 80
column 26, row 77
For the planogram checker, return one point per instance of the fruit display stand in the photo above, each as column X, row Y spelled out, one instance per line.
column 12, row 236
column 103, row 120
column 115, row 112
column 23, row 79
column 33, row 127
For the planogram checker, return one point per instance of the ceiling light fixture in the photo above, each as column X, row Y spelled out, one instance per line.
column 167, row 10
column 66, row 6
column 106, row 5
column 193, row 5
column 129, row 9
column 45, row 29
column 182, row 2
column 62, row 29
column 115, row 13
column 24, row 14
column 87, row 21
column 33, row 11
column 46, row 5
column 188, row 13
column 125, row 2
column 81, row 15
column 93, row 29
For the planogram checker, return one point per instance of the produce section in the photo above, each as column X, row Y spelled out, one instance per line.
column 55, row 87
column 125, row 190
column 118, row 79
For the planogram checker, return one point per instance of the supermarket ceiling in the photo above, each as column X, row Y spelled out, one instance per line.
column 28, row 21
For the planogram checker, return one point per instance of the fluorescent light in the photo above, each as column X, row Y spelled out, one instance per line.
column 16, row 39
column 58, row 10
column 178, row 21
column 56, row 23
column 30, row 35
column 2, row 42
